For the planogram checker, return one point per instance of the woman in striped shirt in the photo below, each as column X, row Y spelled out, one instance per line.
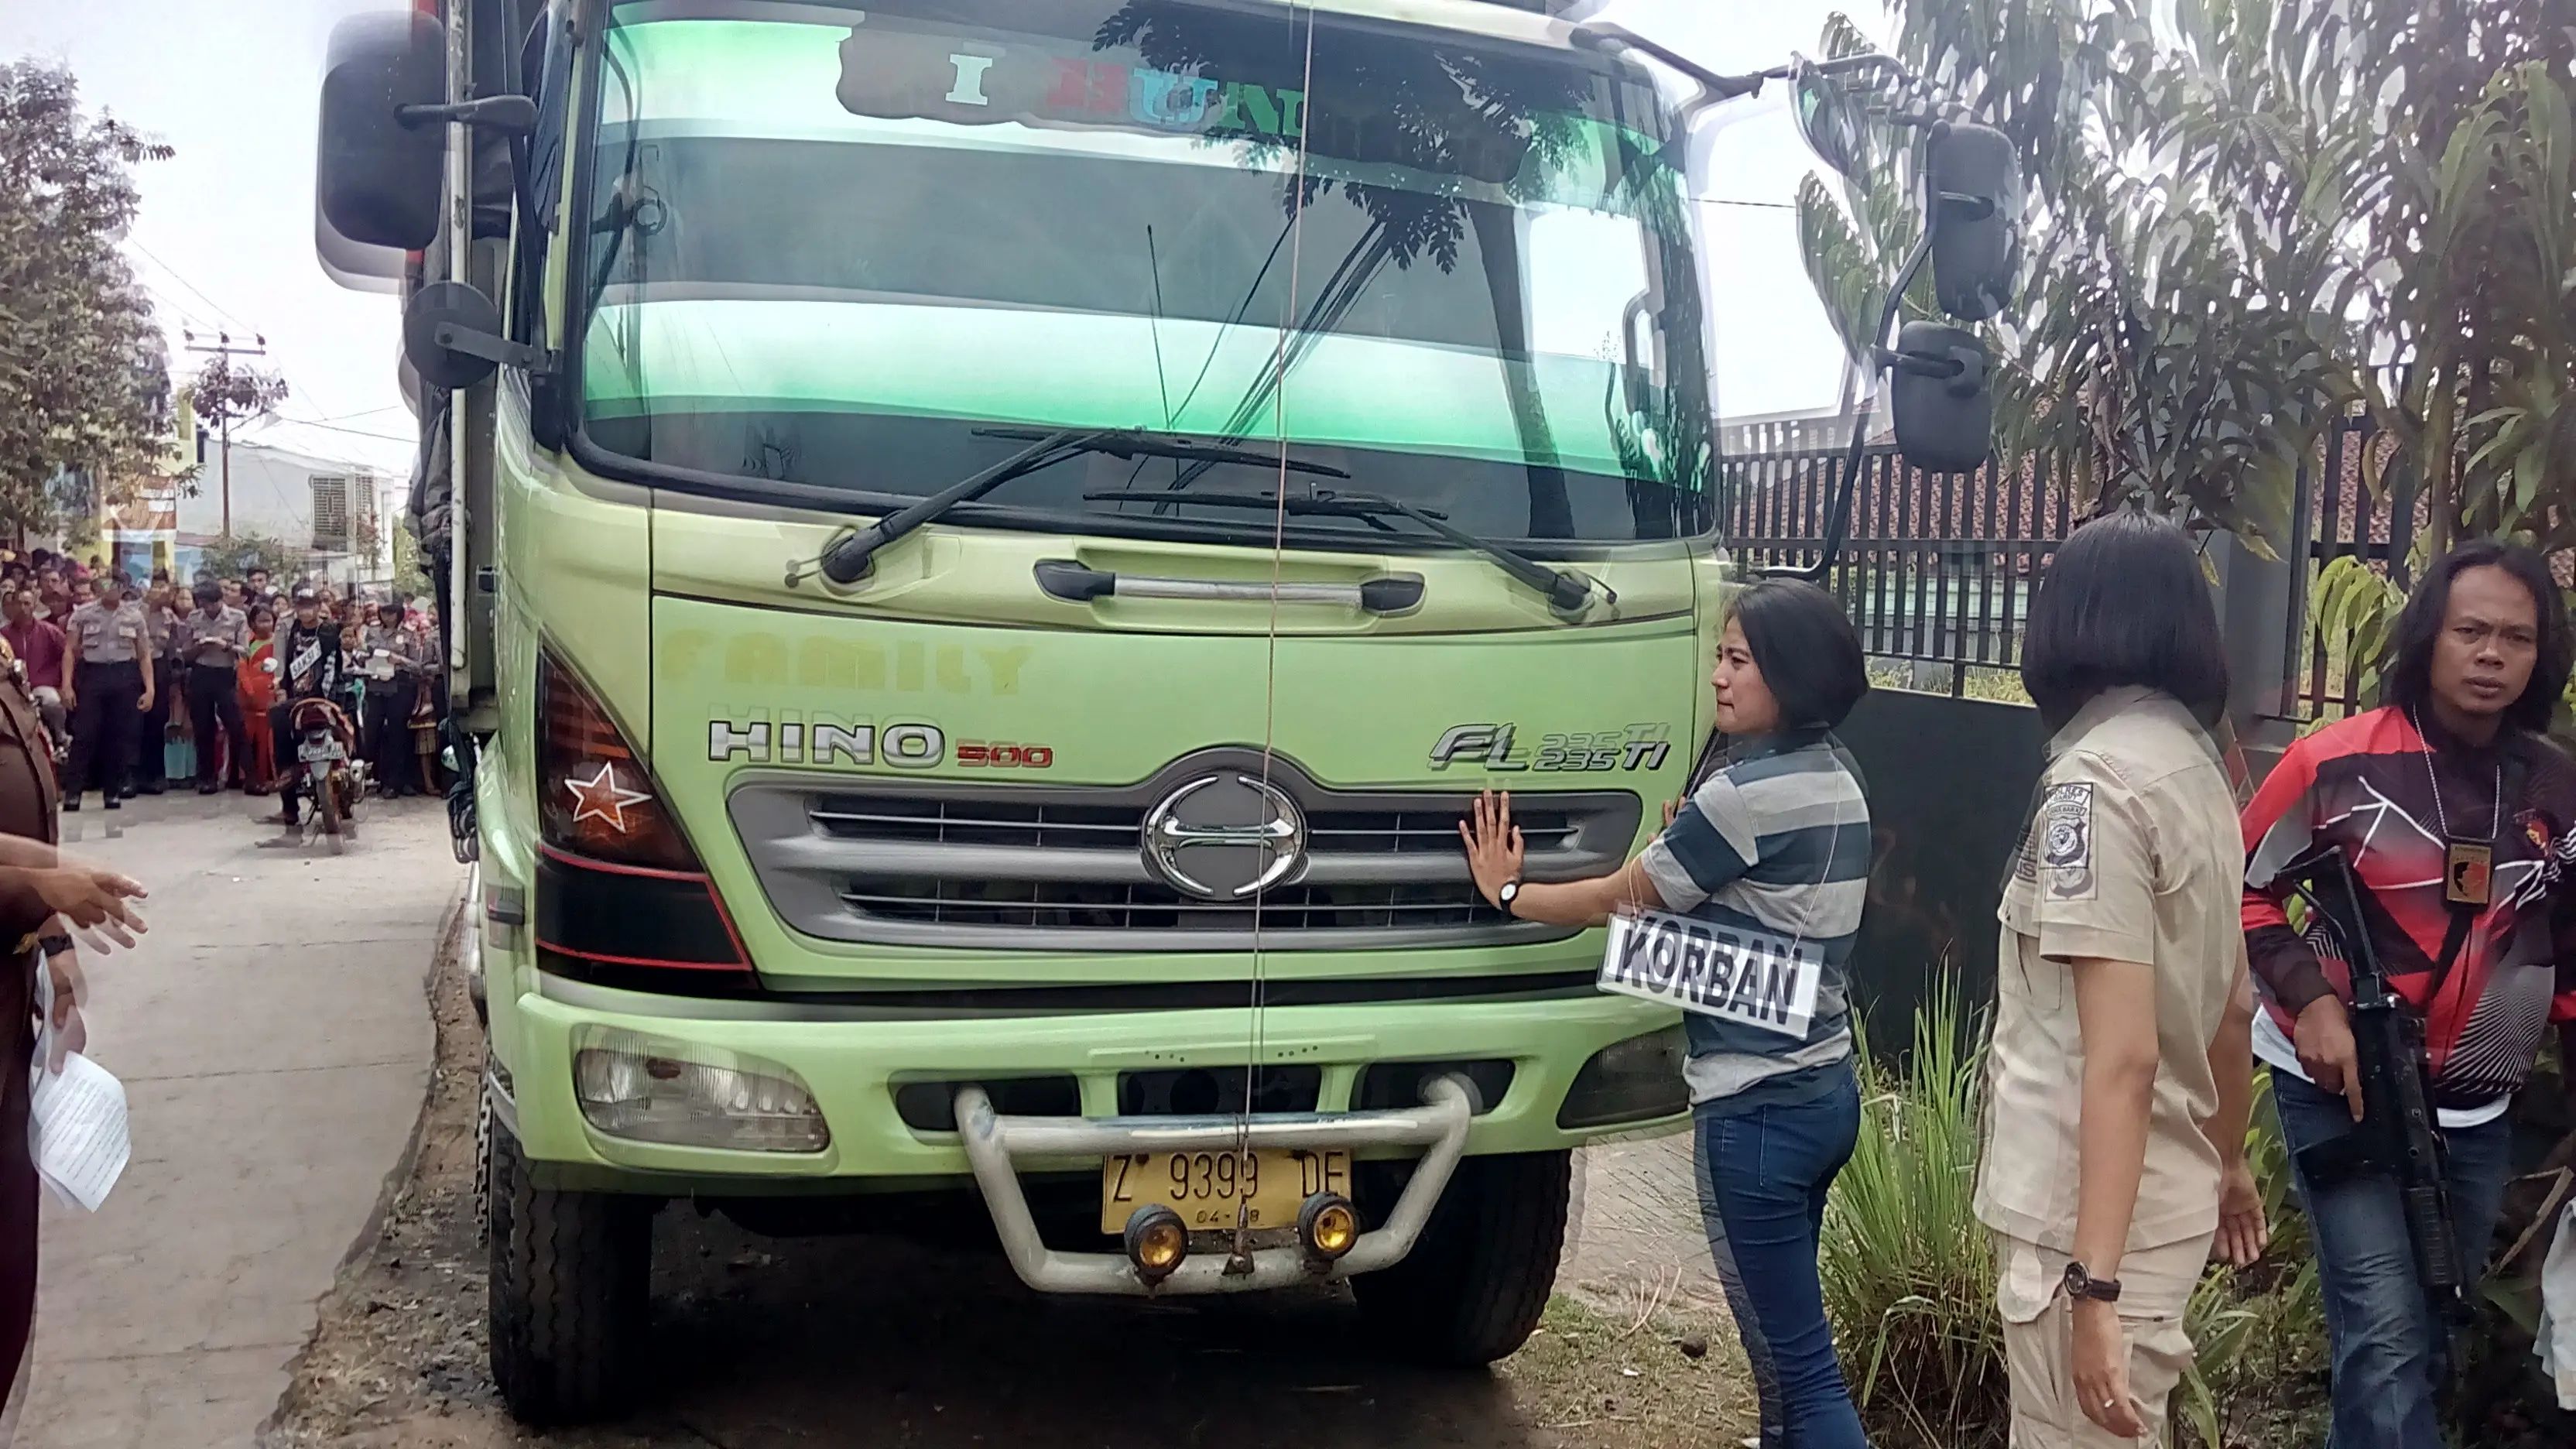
column 1772, row 851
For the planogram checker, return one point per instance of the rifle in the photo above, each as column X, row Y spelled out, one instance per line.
column 2395, row 1136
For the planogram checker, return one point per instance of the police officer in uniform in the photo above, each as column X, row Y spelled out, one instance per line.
column 213, row 641
column 151, row 761
column 108, row 683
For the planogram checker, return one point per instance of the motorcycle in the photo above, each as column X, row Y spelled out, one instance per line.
column 325, row 751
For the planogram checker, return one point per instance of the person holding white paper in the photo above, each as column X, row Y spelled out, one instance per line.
column 1743, row 912
column 43, row 895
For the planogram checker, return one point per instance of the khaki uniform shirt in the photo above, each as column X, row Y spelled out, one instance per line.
column 2135, row 856
column 202, row 640
column 157, row 627
column 101, row 635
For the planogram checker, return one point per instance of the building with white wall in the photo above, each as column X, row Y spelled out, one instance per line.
column 340, row 515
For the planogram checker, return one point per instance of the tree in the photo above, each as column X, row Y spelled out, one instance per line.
column 84, row 381
column 235, row 555
column 2187, row 268
column 225, row 392
column 2466, row 171
column 410, row 581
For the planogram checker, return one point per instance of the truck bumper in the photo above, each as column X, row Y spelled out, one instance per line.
column 853, row 1067
column 994, row 1142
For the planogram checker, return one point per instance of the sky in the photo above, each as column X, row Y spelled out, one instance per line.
column 225, row 237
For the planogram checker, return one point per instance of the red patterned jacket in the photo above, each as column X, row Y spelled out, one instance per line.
column 2367, row 784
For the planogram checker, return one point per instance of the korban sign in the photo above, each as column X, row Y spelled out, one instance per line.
column 1753, row 977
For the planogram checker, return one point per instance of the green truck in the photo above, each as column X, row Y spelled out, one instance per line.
column 988, row 547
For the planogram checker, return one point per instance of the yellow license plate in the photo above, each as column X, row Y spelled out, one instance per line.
column 1210, row 1189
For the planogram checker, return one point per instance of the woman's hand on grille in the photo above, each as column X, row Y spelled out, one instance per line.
column 1494, row 848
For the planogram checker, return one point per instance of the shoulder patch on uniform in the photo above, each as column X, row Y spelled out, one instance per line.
column 2066, row 840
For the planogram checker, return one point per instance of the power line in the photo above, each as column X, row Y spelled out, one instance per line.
column 173, row 272
column 332, row 428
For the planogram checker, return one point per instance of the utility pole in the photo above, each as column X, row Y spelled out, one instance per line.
column 224, row 348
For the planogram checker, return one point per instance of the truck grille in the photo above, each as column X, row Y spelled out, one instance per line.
column 1048, row 867
column 1070, row 905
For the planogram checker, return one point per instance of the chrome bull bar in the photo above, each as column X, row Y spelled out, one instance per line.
column 995, row 1142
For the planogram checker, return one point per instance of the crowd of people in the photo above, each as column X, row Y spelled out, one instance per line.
column 2149, row 955
column 126, row 674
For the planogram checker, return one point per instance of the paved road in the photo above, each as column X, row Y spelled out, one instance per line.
column 275, row 1044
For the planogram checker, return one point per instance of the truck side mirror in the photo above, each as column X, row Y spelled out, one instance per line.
column 378, row 176
column 1976, row 219
column 1944, row 398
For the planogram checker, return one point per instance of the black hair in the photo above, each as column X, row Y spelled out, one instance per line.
column 2124, row 603
column 1804, row 645
column 2407, row 663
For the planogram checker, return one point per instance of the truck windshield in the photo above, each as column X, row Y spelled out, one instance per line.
column 840, row 247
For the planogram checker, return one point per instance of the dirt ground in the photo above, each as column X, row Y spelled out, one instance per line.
column 767, row 1343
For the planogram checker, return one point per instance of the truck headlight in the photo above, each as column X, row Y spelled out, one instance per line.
column 647, row 1090
column 1637, row 1080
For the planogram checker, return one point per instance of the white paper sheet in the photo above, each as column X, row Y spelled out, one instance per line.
column 78, row 1134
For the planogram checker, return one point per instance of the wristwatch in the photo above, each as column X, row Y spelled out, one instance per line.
column 2081, row 1285
column 1510, row 892
column 54, row 945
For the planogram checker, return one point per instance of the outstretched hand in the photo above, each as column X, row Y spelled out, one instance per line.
column 93, row 901
column 1494, row 848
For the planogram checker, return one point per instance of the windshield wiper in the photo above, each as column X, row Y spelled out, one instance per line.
column 1566, row 591
column 850, row 560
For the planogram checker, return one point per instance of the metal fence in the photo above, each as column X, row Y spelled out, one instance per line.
column 1938, row 568
column 2333, row 515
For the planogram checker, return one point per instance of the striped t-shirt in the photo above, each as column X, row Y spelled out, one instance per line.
column 1778, row 841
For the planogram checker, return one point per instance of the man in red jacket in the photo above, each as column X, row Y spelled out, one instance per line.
column 38, row 643
column 2460, row 821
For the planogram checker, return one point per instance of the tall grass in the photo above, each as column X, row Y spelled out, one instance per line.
column 1908, row 1271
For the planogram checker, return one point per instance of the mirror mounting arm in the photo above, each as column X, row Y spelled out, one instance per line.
column 1880, row 358
column 508, row 115
column 535, row 361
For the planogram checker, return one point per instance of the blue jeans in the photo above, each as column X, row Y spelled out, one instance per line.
column 1763, row 1176
column 2390, row 1352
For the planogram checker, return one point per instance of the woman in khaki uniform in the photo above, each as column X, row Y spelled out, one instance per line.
column 2120, row 1073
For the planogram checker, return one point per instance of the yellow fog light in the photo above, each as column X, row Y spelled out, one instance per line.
column 1157, row 1241
column 1328, row 1225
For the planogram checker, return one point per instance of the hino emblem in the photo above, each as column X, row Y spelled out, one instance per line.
column 1226, row 837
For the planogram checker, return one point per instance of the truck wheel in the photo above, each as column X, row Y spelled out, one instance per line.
column 568, row 1292
column 1476, row 1281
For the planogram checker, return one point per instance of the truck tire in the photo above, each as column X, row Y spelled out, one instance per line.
column 569, row 1292
column 1472, row 1289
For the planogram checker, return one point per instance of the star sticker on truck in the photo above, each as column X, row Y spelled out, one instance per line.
column 601, row 798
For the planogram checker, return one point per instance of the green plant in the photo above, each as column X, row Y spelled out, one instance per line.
column 1908, row 1271
column 2258, row 1334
